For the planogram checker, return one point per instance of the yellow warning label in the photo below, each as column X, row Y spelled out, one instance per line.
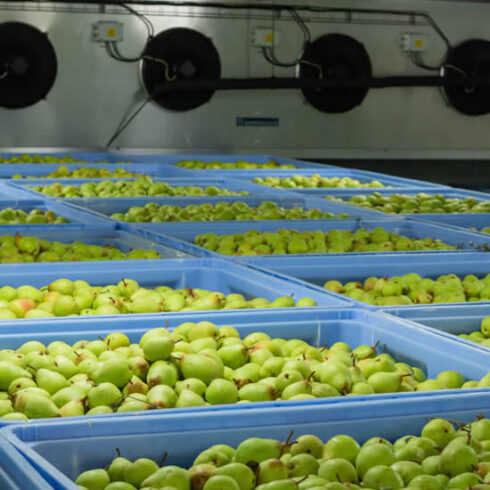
column 269, row 38
column 111, row 32
column 419, row 43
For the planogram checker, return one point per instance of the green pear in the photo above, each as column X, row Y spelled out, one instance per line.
column 9, row 372
column 169, row 476
column 72, row 408
column 117, row 467
column 50, row 381
column 272, row 469
column 93, row 479
column 257, row 449
column 188, row 398
column 341, row 446
column 381, row 476
column 221, row 391
column 38, row 406
column 115, row 371
column 105, row 394
column 221, row 482
column 302, row 465
column 240, row 472
column 138, row 471
column 201, row 367
column 162, row 396
column 162, row 372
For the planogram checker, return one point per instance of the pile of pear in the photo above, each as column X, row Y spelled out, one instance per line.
column 36, row 158
column 27, row 249
column 417, row 203
column 197, row 364
column 481, row 336
column 64, row 297
column 144, row 186
column 443, row 456
column 315, row 181
column 287, row 241
column 239, row 164
column 63, row 172
column 415, row 289
column 483, row 230
column 11, row 216
column 222, row 211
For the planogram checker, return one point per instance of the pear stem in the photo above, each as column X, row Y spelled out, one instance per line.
column 287, row 443
column 164, row 458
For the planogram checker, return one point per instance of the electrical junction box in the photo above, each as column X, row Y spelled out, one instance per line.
column 414, row 43
column 107, row 31
column 265, row 37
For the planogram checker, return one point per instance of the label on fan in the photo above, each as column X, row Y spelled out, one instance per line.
column 257, row 121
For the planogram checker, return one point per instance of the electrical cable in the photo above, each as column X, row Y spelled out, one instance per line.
column 112, row 47
column 418, row 61
column 149, row 26
column 269, row 52
column 123, row 125
column 275, row 7
column 120, row 57
column 302, row 24
column 169, row 77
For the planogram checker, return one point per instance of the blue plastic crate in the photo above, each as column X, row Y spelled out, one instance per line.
column 174, row 159
column 105, row 207
column 79, row 156
column 415, row 345
column 210, row 274
column 468, row 221
column 316, row 270
column 75, row 215
column 12, row 193
column 363, row 175
column 16, row 472
column 228, row 184
column 7, row 170
column 181, row 235
column 447, row 192
column 60, row 454
column 93, row 235
column 103, row 157
column 447, row 320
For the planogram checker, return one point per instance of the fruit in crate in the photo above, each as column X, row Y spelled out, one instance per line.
column 417, row 203
column 483, row 230
column 63, row 172
column 315, row 181
column 285, row 241
column 442, row 456
column 222, row 211
column 415, row 289
column 65, row 298
column 239, row 164
column 145, row 186
column 11, row 216
column 28, row 158
column 18, row 248
column 35, row 158
column 481, row 336
column 196, row 364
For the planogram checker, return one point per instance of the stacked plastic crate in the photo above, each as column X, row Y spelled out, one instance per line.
column 138, row 246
